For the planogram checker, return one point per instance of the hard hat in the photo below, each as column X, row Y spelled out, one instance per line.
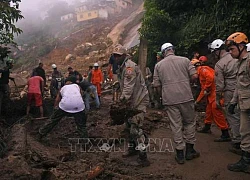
column 53, row 66
column 166, row 46
column 194, row 61
column 203, row 59
column 216, row 45
column 248, row 47
column 120, row 50
column 236, row 38
column 96, row 65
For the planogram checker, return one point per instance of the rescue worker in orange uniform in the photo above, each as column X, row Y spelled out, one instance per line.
column 97, row 79
column 206, row 75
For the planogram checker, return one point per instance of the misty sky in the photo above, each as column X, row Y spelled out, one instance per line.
column 34, row 4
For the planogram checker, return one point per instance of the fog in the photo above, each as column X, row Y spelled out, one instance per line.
column 42, row 17
column 41, row 5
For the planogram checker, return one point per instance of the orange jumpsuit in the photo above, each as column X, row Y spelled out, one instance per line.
column 206, row 76
column 97, row 79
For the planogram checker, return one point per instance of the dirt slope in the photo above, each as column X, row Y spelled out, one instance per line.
column 116, row 34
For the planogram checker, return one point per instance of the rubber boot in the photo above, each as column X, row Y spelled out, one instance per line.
column 206, row 129
column 131, row 150
column 142, row 159
column 243, row 165
column 179, row 156
column 225, row 137
column 235, row 148
column 190, row 152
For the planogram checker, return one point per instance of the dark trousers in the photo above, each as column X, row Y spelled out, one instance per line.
column 4, row 96
column 80, row 120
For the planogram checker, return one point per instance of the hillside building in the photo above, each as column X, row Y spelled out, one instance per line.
column 67, row 17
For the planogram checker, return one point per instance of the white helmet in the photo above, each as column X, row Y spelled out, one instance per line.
column 248, row 47
column 166, row 46
column 53, row 66
column 215, row 45
column 96, row 65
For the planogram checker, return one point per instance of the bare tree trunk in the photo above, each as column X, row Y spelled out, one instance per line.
column 143, row 48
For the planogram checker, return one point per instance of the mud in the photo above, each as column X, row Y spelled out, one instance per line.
column 56, row 157
column 119, row 113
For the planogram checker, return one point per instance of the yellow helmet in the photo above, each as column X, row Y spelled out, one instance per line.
column 236, row 38
column 194, row 61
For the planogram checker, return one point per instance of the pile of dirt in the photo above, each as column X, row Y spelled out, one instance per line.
column 53, row 156
column 62, row 155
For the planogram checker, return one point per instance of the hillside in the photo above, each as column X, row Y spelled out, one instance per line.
column 91, row 43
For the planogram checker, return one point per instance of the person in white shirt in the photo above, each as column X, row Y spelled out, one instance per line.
column 68, row 102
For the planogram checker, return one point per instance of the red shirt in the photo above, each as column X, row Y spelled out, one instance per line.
column 34, row 84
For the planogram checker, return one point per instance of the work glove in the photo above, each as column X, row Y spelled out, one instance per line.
column 196, row 105
column 161, row 101
column 231, row 108
column 206, row 92
column 218, row 104
column 125, row 101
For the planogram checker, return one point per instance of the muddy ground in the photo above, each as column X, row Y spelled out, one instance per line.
column 52, row 158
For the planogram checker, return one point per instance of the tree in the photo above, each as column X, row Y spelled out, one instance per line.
column 9, row 15
column 191, row 24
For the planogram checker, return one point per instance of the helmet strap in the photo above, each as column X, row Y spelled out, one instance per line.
column 240, row 51
column 219, row 54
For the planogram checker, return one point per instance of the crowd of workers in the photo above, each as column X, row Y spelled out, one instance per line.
column 225, row 88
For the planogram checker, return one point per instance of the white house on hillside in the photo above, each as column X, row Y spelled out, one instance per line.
column 81, row 8
column 103, row 13
column 67, row 17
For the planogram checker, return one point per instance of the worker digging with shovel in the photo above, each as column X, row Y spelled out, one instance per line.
column 134, row 94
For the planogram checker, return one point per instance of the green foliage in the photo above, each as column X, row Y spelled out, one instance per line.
column 8, row 16
column 191, row 24
column 155, row 23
